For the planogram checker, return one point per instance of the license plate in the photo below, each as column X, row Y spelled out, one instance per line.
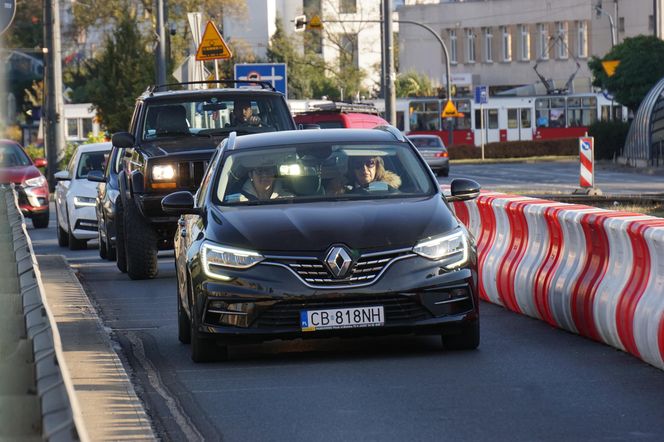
column 312, row 320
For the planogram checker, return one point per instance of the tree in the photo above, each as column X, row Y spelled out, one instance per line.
column 26, row 31
column 412, row 84
column 641, row 67
column 114, row 79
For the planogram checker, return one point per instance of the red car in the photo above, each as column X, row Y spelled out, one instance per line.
column 32, row 188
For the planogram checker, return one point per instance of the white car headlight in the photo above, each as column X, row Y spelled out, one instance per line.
column 452, row 248
column 163, row 172
column 216, row 257
column 35, row 182
column 83, row 201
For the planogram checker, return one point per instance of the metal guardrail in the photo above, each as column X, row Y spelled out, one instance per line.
column 60, row 415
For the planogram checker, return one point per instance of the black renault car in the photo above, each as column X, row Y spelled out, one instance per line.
column 301, row 234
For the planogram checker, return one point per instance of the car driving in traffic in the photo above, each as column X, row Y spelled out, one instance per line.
column 308, row 234
column 75, row 196
column 433, row 151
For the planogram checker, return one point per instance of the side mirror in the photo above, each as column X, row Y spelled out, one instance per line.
column 463, row 189
column 40, row 162
column 123, row 139
column 63, row 175
column 179, row 203
column 96, row 176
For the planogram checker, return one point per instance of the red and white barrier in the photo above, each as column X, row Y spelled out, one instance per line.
column 595, row 272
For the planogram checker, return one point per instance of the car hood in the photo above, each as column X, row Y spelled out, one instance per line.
column 18, row 174
column 377, row 224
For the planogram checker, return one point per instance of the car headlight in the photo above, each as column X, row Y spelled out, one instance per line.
column 451, row 249
column 163, row 172
column 35, row 182
column 216, row 257
column 83, row 201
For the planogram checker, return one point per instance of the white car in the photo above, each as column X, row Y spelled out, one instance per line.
column 75, row 196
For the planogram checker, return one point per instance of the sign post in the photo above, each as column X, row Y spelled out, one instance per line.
column 481, row 98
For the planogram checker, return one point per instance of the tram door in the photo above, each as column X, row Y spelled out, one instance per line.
column 519, row 124
column 491, row 126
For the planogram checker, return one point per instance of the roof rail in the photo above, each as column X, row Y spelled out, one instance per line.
column 362, row 108
column 396, row 133
column 263, row 84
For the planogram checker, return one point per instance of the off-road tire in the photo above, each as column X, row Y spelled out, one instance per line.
column 63, row 238
column 120, row 253
column 468, row 339
column 140, row 242
column 40, row 221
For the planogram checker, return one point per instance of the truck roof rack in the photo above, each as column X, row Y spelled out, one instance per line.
column 341, row 107
column 170, row 86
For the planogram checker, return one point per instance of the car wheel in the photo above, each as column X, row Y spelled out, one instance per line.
column 203, row 348
column 63, row 238
column 110, row 249
column 74, row 243
column 140, row 244
column 40, row 221
column 467, row 339
column 121, row 255
column 103, row 251
column 184, row 324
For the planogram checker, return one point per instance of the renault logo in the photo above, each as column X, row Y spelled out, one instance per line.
column 338, row 261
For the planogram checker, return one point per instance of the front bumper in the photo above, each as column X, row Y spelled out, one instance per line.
column 32, row 201
column 84, row 223
column 265, row 304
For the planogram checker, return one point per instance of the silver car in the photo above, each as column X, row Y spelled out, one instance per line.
column 433, row 151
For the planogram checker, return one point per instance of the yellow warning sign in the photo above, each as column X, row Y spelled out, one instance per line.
column 450, row 110
column 315, row 23
column 610, row 67
column 213, row 46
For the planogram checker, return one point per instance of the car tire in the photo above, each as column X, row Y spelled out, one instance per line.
column 74, row 243
column 63, row 238
column 103, row 250
column 120, row 253
column 110, row 249
column 203, row 348
column 40, row 221
column 184, row 324
column 467, row 339
column 140, row 245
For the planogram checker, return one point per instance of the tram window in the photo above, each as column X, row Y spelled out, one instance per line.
column 618, row 113
column 512, row 122
column 400, row 121
column 605, row 113
column 493, row 118
column 582, row 112
column 425, row 115
column 478, row 119
column 463, row 123
column 526, row 122
column 542, row 111
column 557, row 117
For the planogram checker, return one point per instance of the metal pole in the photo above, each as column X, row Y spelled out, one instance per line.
column 160, row 74
column 388, row 56
column 482, row 127
column 54, row 106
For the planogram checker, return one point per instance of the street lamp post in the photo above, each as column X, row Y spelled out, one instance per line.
column 599, row 11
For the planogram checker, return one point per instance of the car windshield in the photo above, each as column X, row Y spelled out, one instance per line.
column 302, row 173
column 90, row 161
column 215, row 115
column 420, row 142
column 12, row 155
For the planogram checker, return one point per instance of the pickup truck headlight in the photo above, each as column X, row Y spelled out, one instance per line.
column 83, row 201
column 35, row 182
column 216, row 257
column 451, row 249
column 163, row 172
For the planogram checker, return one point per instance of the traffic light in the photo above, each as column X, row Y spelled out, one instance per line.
column 300, row 23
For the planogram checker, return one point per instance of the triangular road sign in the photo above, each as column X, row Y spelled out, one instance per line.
column 315, row 23
column 450, row 110
column 213, row 46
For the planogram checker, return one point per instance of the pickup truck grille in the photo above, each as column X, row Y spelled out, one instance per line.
column 190, row 173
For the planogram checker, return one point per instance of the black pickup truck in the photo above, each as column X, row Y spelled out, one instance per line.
column 171, row 138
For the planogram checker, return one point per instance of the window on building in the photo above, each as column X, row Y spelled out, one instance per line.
column 453, row 47
column 470, row 46
column 562, row 43
column 621, row 24
column 488, row 45
column 543, row 41
column 582, row 39
column 524, row 42
column 86, row 125
column 348, row 53
column 348, row 6
column 506, row 43
column 72, row 128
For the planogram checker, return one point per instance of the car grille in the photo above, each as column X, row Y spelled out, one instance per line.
column 397, row 308
column 190, row 173
column 366, row 269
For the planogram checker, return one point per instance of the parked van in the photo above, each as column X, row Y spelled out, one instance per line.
column 341, row 115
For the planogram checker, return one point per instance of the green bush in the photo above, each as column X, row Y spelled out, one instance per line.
column 35, row 151
column 609, row 137
column 517, row 149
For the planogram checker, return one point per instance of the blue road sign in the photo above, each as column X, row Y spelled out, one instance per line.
column 481, row 95
column 273, row 73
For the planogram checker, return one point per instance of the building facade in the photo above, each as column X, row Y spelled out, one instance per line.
column 520, row 46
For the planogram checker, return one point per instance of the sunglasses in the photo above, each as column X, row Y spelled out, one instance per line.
column 370, row 164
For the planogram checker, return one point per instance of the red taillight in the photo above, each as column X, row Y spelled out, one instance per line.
column 442, row 154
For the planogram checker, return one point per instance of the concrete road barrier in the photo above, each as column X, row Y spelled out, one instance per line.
column 598, row 273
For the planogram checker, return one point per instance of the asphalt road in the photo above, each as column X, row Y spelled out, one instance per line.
column 526, row 382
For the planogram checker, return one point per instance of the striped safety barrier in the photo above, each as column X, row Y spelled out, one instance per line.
column 595, row 272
